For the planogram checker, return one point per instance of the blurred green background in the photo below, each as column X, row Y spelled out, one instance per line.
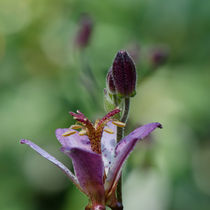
column 43, row 75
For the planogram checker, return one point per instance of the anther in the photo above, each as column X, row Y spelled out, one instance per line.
column 108, row 130
column 76, row 127
column 82, row 132
column 68, row 133
column 118, row 124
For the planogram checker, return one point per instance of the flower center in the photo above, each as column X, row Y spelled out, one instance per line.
column 93, row 131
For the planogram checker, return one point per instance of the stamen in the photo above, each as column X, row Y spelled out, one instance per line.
column 76, row 127
column 68, row 133
column 108, row 130
column 82, row 132
column 93, row 131
column 118, row 123
column 82, row 119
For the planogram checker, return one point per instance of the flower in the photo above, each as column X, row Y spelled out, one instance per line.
column 96, row 156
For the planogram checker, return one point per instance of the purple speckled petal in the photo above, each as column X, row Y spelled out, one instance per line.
column 74, row 140
column 122, row 151
column 46, row 155
column 108, row 143
column 89, row 169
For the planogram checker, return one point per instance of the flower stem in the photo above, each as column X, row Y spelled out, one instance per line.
column 120, row 135
column 126, row 110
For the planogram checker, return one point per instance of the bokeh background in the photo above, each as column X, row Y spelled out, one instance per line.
column 45, row 72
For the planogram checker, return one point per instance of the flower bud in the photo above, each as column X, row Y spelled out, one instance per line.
column 124, row 74
column 159, row 56
column 110, row 82
column 85, row 31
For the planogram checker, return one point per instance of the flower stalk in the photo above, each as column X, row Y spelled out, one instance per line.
column 120, row 135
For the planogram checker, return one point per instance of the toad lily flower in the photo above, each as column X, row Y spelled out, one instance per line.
column 96, row 156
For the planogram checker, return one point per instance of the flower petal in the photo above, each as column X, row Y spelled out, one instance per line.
column 122, row 151
column 52, row 159
column 74, row 140
column 108, row 143
column 89, row 169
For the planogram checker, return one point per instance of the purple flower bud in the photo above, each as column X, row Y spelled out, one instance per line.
column 124, row 74
column 85, row 31
column 110, row 82
column 159, row 56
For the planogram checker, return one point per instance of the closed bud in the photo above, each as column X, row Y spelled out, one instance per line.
column 110, row 82
column 85, row 31
column 124, row 74
column 159, row 56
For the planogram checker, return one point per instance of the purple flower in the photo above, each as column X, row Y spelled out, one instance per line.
column 96, row 156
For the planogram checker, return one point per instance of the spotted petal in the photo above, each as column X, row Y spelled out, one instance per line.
column 122, row 151
column 74, row 140
column 49, row 157
column 89, row 169
column 108, row 143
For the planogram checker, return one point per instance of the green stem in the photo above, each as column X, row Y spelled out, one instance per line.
column 120, row 135
column 126, row 110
